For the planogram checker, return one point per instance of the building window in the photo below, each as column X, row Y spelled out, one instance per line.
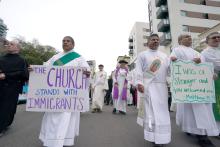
column 145, row 37
column 203, row 2
column 183, row 13
column 185, row 28
column 145, row 30
column 206, row 16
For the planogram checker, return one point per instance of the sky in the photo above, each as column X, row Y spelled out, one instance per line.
column 100, row 28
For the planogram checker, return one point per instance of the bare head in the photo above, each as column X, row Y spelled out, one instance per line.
column 213, row 39
column 185, row 40
column 13, row 47
column 153, row 41
column 68, row 43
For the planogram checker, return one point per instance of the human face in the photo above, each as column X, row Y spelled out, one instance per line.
column 12, row 47
column 122, row 65
column 214, row 40
column 153, row 42
column 101, row 68
column 186, row 40
column 67, row 44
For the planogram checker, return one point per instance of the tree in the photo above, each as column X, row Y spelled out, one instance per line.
column 34, row 53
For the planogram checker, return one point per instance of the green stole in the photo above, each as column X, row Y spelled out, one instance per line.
column 66, row 58
column 216, row 106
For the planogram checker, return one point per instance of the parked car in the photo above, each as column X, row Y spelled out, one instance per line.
column 23, row 97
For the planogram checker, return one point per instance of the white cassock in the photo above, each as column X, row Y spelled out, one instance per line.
column 130, row 82
column 156, row 119
column 100, row 84
column 119, row 103
column 59, row 129
column 194, row 118
column 213, row 55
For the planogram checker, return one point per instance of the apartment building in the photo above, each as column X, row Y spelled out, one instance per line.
column 170, row 18
column 137, row 40
column 3, row 32
column 3, row 29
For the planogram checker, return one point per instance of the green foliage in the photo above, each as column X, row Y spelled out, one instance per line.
column 36, row 54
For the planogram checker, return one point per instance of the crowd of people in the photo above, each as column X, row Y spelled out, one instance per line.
column 148, row 81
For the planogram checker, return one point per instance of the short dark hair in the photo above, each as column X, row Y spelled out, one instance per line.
column 152, row 35
column 100, row 65
column 208, row 36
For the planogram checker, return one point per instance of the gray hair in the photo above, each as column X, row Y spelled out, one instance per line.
column 181, row 37
column 17, row 43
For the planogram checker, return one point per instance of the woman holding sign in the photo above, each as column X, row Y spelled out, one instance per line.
column 152, row 70
column 59, row 129
column 194, row 118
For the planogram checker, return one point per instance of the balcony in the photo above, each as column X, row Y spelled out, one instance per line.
column 162, row 12
column 165, row 39
column 160, row 2
column 130, row 40
column 164, row 25
column 131, row 47
column 131, row 52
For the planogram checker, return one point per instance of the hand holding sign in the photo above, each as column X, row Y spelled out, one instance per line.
column 2, row 76
column 197, row 60
column 173, row 58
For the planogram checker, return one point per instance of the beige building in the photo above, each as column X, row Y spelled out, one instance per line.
column 92, row 65
column 137, row 40
column 170, row 18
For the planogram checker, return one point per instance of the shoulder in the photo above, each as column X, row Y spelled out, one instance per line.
column 76, row 53
column 142, row 54
column 178, row 48
column 205, row 51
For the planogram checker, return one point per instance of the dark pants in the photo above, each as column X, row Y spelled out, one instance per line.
column 8, row 104
column 108, row 96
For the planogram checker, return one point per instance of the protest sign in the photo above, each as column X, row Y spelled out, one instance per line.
column 57, row 89
column 192, row 83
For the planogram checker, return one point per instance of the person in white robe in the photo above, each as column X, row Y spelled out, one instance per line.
column 130, row 83
column 193, row 118
column 100, row 87
column 120, row 84
column 59, row 129
column 212, row 54
column 152, row 69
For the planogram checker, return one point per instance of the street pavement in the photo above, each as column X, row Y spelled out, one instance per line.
column 96, row 130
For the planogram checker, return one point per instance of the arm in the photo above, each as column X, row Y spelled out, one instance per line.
column 139, row 75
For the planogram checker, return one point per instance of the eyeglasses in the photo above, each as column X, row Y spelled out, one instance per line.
column 215, row 37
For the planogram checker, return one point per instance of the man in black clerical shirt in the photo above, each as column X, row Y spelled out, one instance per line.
column 13, row 74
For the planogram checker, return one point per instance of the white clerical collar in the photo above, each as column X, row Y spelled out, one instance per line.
column 151, row 50
column 185, row 47
column 214, row 48
column 72, row 50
